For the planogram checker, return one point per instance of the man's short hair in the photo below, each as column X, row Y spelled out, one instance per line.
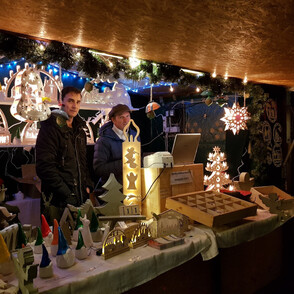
column 69, row 89
column 118, row 110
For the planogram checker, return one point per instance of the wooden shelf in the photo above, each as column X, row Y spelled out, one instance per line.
column 29, row 145
column 84, row 106
column 17, row 145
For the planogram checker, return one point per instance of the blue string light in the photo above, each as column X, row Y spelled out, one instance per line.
column 70, row 74
column 147, row 86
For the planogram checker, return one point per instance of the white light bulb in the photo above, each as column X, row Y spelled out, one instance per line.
column 134, row 62
column 42, row 47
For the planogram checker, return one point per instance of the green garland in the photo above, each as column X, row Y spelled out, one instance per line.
column 92, row 65
column 258, row 146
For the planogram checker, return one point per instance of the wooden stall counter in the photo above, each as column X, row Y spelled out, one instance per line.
column 168, row 182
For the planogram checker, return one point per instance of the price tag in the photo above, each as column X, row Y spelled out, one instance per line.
column 122, row 224
column 181, row 177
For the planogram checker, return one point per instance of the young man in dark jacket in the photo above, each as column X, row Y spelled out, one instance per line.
column 61, row 161
column 108, row 148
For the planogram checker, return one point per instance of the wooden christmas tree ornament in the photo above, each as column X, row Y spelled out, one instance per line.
column 113, row 197
column 217, row 167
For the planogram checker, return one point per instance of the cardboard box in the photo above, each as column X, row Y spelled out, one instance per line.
column 265, row 191
column 30, row 184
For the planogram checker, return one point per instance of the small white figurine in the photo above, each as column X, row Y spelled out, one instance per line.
column 54, row 244
column 87, row 237
column 46, row 268
column 38, row 249
column 65, row 257
column 46, row 232
column 81, row 251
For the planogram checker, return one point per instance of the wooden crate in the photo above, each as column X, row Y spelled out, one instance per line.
column 164, row 187
column 211, row 208
column 265, row 191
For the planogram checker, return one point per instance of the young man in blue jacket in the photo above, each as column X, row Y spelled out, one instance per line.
column 108, row 147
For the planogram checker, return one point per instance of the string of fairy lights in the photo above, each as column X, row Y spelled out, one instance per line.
column 6, row 67
column 86, row 63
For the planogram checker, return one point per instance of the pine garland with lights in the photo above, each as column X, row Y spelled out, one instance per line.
column 57, row 52
column 15, row 47
column 90, row 65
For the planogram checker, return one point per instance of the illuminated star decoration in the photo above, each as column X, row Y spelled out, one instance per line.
column 235, row 118
column 32, row 77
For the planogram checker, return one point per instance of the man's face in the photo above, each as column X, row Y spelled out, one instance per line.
column 71, row 104
column 120, row 121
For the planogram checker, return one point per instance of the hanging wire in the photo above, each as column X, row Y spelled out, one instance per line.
column 11, row 158
column 152, row 139
column 242, row 163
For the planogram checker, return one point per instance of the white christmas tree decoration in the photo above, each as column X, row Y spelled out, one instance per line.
column 235, row 118
column 218, row 166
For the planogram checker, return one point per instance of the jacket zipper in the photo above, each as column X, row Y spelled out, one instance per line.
column 79, row 169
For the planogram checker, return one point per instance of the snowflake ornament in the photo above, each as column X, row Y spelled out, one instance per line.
column 235, row 118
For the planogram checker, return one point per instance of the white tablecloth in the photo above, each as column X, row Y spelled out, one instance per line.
column 137, row 266
column 245, row 230
column 122, row 272
column 29, row 210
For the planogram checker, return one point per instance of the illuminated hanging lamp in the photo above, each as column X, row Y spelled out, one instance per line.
column 236, row 117
column 151, row 106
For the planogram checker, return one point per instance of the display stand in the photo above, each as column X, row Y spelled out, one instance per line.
column 172, row 181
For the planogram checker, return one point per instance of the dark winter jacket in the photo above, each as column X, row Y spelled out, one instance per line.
column 108, row 154
column 61, row 161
